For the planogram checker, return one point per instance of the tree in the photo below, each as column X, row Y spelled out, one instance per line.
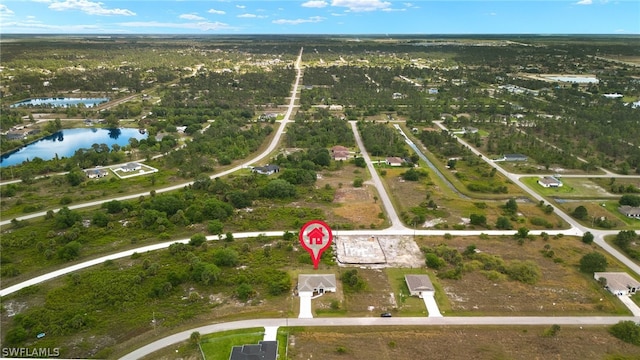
column 522, row 233
column 524, row 271
column 226, row 257
column 279, row 188
column 624, row 238
column 580, row 213
column 587, row 238
column 352, row 281
column 511, row 207
column 197, row 240
column 358, row 182
column 631, row 200
column 478, row 219
column 244, row 292
column 195, row 338
column 627, row 331
column 228, row 237
column 593, row 262
column 434, row 261
column 75, row 177
column 215, row 227
column 411, row 175
column 359, row 162
column 503, row 223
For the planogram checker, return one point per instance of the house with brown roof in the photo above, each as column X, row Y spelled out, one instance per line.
column 340, row 153
column 394, row 161
column 618, row 283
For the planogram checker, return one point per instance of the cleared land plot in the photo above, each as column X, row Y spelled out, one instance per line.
column 560, row 290
column 571, row 188
column 456, row 343
column 356, row 206
column 399, row 251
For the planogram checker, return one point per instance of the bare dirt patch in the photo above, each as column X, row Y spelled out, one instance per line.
column 379, row 251
column 457, row 343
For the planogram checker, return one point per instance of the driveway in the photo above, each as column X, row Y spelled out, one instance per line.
column 432, row 306
column 305, row 305
column 635, row 310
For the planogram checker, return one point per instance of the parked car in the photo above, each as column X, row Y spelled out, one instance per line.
column 385, row 314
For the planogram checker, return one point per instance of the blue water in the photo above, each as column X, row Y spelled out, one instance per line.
column 61, row 102
column 64, row 143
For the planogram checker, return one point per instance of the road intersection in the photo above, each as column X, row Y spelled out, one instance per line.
column 396, row 228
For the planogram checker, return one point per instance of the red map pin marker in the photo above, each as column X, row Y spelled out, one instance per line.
column 315, row 237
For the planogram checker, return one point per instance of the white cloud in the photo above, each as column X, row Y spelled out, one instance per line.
column 240, row 6
column 313, row 19
column 391, row 9
column 493, row 14
column 361, row 5
column 88, row 7
column 5, row 11
column 407, row 4
column 32, row 26
column 203, row 25
column 315, row 4
column 251, row 16
column 584, row 2
column 191, row 17
column 214, row 11
column 337, row 14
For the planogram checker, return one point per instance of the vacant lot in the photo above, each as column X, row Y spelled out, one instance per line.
column 457, row 343
column 560, row 290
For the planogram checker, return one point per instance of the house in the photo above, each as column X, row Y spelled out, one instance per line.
column 335, row 107
column 340, row 152
column 432, row 91
column 340, row 155
column 266, row 170
column 20, row 134
column 550, row 182
column 264, row 350
column 397, row 96
column 132, row 166
column 618, row 283
column 630, row 211
column 419, row 285
column 515, row 157
column 316, row 283
column 470, row 130
column 315, row 236
column 394, row 161
column 96, row 173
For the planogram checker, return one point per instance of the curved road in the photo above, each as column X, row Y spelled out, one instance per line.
column 375, row 321
column 397, row 228
column 259, row 157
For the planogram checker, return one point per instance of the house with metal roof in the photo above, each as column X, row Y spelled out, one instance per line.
column 630, row 211
column 419, row 285
column 618, row 283
column 316, row 283
column 550, row 182
column 266, row 170
column 264, row 350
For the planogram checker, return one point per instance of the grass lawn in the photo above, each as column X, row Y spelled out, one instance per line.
column 218, row 346
column 572, row 188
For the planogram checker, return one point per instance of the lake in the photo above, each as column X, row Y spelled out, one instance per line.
column 61, row 102
column 64, row 143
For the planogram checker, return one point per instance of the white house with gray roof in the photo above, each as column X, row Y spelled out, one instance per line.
column 618, row 283
column 419, row 285
column 316, row 283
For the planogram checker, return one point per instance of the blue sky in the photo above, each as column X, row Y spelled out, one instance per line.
column 320, row 17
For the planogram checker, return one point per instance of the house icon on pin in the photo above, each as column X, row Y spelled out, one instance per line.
column 315, row 235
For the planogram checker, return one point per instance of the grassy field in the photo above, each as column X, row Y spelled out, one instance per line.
column 218, row 346
column 579, row 188
column 433, row 343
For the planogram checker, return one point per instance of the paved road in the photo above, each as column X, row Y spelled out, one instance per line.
column 267, row 152
column 376, row 321
column 382, row 192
